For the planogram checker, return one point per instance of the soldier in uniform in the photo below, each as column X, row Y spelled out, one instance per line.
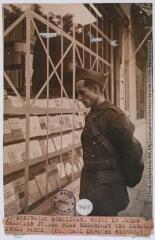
column 102, row 180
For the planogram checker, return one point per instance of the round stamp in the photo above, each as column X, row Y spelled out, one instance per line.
column 84, row 207
column 63, row 202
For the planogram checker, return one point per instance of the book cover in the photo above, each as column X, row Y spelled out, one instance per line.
column 5, row 156
column 61, row 169
column 67, row 140
column 34, row 194
column 12, row 154
column 68, row 168
column 51, row 147
column 34, row 150
column 35, row 129
column 41, row 182
column 43, row 125
column 7, row 131
column 54, row 124
column 16, row 128
column 54, row 180
column 19, row 188
column 58, row 142
column 61, row 122
column 11, row 203
column 67, row 122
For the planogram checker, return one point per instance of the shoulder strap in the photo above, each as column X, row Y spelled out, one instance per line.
column 100, row 136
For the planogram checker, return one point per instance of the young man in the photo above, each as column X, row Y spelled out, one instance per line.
column 102, row 180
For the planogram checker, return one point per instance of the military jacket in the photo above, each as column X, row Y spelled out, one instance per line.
column 102, row 179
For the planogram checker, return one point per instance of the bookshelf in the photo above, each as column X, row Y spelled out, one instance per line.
column 29, row 176
column 13, row 169
column 14, row 135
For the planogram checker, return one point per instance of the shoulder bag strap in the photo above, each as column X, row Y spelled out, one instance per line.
column 102, row 138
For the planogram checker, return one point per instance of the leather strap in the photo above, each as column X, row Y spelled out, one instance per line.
column 100, row 137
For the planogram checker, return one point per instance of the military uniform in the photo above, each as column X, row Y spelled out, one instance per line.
column 102, row 180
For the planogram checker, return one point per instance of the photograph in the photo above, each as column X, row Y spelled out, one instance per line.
column 77, row 117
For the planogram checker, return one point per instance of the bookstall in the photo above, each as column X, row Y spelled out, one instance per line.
column 43, row 120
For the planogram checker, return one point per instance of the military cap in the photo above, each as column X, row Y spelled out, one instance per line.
column 86, row 74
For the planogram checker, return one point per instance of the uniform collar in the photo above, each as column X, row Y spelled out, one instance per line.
column 102, row 105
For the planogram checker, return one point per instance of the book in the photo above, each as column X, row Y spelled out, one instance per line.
column 7, row 131
column 75, row 135
column 61, row 122
column 16, row 128
column 61, row 169
column 19, row 188
column 67, row 122
column 11, row 155
column 68, row 168
column 41, row 183
column 57, row 142
column 81, row 121
column 54, row 180
column 51, row 147
column 81, row 162
column 34, row 194
column 34, row 150
column 11, row 203
column 67, row 140
column 43, row 125
column 54, row 124
column 5, row 156
column 35, row 129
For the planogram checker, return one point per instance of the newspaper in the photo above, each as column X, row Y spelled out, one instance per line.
column 89, row 66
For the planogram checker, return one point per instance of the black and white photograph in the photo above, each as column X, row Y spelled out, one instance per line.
column 77, row 100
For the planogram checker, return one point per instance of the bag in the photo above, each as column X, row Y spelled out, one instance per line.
column 132, row 169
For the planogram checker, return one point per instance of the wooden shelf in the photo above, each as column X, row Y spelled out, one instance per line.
column 9, row 109
column 38, row 137
column 7, row 170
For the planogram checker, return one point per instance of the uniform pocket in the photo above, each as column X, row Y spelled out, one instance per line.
column 109, row 176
